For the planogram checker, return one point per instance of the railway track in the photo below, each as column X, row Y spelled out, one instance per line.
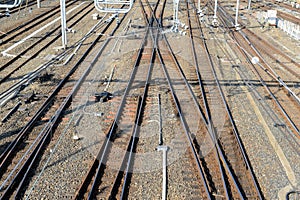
column 22, row 6
column 226, row 134
column 248, row 44
column 110, row 177
column 231, row 61
column 277, row 55
column 34, row 137
column 284, row 13
column 171, row 73
column 11, row 67
column 235, row 188
column 27, row 26
column 123, row 184
column 22, row 89
column 157, row 102
column 285, row 62
column 120, row 136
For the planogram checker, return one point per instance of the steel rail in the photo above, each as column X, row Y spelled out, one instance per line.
column 132, row 144
column 251, row 86
column 235, row 130
column 34, row 73
column 185, row 126
column 136, row 129
column 210, row 123
column 208, row 127
column 247, row 56
column 271, row 93
column 127, row 160
column 128, row 156
column 39, row 19
column 23, row 173
column 18, row 8
column 210, row 130
column 274, row 49
column 200, row 81
column 9, row 63
column 213, row 135
column 13, row 90
column 182, row 74
column 140, row 110
column 22, row 134
column 270, row 71
column 96, row 166
column 105, row 147
column 182, row 118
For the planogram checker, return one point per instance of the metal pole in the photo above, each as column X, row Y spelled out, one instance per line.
column 164, row 187
column 237, row 13
column 215, row 21
column 215, row 9
column 160, row 122
column 176, row 21
column 249, row 4
column 63, row 23
column 199, row 9
column 174, row 15
column 164, row 191
column 38, row 3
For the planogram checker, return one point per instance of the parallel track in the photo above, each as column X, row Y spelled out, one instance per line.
column 215, row 155
column 265, row 72
column 10, row 63
column 13, row 182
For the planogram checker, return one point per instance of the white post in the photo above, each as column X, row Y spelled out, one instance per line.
column 236, row 14
column 249, row 4
column 199, row 8
column 164, row 187
column 38, row 3
column 63, row 23
column 160, row 122
column 176, row 21
column 215, row 9
column 215, row 21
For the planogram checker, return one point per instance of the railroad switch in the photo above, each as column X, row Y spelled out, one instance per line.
column 103, row 96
